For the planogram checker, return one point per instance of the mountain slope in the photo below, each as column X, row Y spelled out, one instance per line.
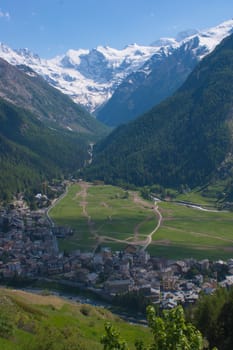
column 31, row 152
column 185, row 140
column 33, row 321
column 160, row 76
column 24, row 88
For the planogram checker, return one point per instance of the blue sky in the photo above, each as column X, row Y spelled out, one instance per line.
column 51, row 27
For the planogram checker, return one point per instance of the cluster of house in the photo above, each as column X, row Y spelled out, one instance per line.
column 161, row 281
column 28, row 249
column 27, row 245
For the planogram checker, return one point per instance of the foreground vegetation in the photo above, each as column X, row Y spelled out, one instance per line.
column 213, row 316
column 170, row 331
column 207, row 324
column 46, row 322
column 37, row 322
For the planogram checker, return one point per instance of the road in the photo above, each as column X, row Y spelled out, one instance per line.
column 54, row 202
column 55, row 243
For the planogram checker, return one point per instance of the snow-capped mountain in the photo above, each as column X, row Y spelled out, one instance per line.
column 90, row 77
column 161, row 76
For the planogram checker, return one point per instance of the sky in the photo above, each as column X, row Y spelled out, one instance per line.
column 51, row 27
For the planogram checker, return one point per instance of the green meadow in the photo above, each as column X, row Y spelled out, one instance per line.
column 103, row 215
column 188, row 232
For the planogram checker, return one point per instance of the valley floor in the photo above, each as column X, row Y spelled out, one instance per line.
column 103, row 215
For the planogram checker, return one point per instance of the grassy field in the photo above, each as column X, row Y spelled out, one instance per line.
column 112, row 217
column 52, row 321
column 187, row 232
column 103, row 215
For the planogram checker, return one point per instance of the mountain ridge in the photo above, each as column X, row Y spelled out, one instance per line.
column 185, row 140
column 159, row 78
column 85, row 89
column 103, row 68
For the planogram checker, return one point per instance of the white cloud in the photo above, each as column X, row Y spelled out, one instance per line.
column 4, row 14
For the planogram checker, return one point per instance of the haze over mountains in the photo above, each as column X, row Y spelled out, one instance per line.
column 118, row 85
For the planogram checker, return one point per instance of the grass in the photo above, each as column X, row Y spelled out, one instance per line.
column 117, row 219
column 97, row 213
column 36, row 318
column 187, row 232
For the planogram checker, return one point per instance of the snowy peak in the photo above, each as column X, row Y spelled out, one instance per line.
column 162, row 74
column 107, row 57
column 209, row 39
column 90, row 77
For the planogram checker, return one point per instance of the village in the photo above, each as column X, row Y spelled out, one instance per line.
column 29, row 251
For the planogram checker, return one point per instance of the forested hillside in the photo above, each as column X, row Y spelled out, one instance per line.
column 187, row 139
column 31, row 152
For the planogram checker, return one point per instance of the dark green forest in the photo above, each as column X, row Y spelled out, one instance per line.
column 213, row 316
column 31, row 152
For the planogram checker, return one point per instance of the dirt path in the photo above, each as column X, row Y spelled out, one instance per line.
column 144, row 203
column 200, row 234
column 130, row 240
column 137, row 227
column 84, row 204
column 149, row 237
column 143, row 243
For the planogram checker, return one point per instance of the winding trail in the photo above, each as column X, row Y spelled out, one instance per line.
column 148, row 240
column 137, row 199
column 143, row 243
column 133, row 240
column 149, row 237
